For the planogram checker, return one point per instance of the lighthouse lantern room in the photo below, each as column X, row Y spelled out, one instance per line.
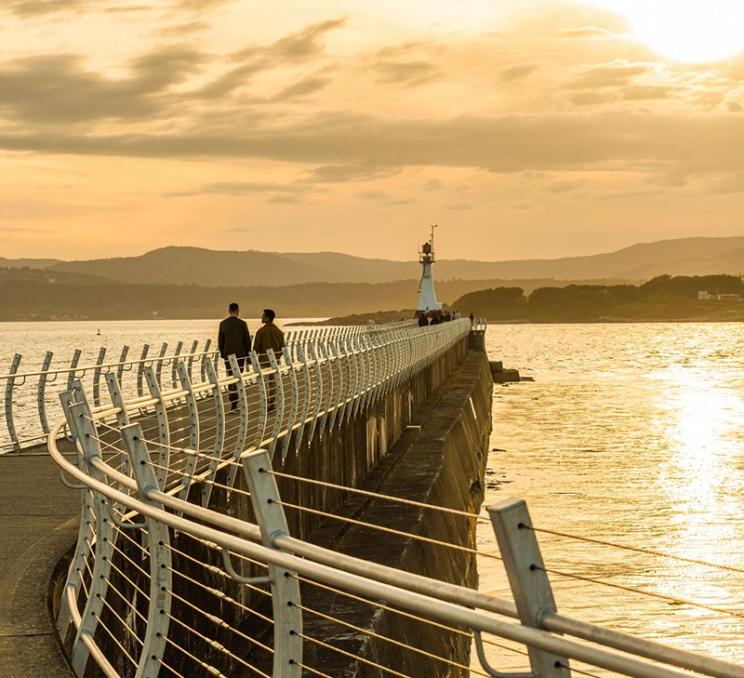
column 427, row 301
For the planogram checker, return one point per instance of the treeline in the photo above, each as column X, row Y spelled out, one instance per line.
column 662, row 298
column 31, row 294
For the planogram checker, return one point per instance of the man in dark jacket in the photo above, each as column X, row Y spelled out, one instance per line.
column 234, row 339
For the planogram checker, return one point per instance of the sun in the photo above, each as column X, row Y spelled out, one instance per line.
column 692, row 31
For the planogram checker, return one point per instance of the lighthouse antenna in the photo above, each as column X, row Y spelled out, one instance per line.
column 433, row 226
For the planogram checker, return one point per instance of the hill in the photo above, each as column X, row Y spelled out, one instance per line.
column 213, row 268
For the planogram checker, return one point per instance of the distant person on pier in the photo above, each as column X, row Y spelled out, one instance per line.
column 234, row 339
column 435, row 318
column 472, row 319
column 423, row 321
column 269, row 336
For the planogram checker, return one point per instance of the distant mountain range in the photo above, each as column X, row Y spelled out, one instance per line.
column 212, row 268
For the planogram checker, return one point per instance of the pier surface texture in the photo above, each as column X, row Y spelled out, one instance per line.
column 425, row 440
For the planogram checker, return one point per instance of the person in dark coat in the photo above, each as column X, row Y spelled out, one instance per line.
column 422, row 321
column 234, row 339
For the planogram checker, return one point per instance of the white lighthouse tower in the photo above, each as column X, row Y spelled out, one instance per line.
column 427, row 301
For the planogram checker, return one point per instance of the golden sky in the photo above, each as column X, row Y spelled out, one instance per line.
column 525, row 128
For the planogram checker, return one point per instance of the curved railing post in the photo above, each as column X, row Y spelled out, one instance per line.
column 41, row 391
column 105, row 538
column 318, row 396
column 174, row 365
column 161, row 578
column 190, row 359
column 122, row 359
column 285, row 587
column 263, row 396
column 153, row 385
column 324, row 363
column 159, row 362
column 9, row 386
column 205, row 358
column 193, row 415
column 73, row 365
column 278, row 400
column 86, row 532
column 236, row 369
column 305, row 409
column 97, row 376
column 219, row 430
column 293, row 403
column 117, row 400
column 140, row 370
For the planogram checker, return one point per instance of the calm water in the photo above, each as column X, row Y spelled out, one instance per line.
column 630, row 434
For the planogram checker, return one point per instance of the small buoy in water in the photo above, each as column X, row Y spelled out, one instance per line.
column 98, row 334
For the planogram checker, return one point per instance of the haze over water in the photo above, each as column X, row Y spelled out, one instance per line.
column 630, row 434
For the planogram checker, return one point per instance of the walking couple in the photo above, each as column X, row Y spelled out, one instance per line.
column 235, row 339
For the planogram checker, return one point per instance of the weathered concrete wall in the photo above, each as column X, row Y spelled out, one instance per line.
column 442, row 464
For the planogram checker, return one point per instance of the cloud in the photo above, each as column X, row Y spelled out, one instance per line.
column 59, row 89
column 301, row 88
column 373, row 195
column 517, row 72
column 509, row 143
column 561, row 186
column 734, row 107
column 343, row 173
column 384, row 199
column 463, row 205
column 644, row 92
column 30, row 8
column 433, row 185
column 239, row 188
column 406, row 72
column 585, row 33
column 300, row 46
column 182, row 29
column 200, row 5
column 612, row 74
column 523, row 206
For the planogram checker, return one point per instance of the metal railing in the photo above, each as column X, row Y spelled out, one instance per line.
column 164, row 583
column 29, row 400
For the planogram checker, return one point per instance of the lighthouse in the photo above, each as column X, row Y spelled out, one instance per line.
column 427, row 301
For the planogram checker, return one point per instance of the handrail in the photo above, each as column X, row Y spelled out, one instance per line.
column 426, row 598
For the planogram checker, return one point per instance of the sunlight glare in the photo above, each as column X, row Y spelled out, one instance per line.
column 684, row 30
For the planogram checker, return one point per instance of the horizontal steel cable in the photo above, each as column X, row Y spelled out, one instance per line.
column 643, row 592
column 222, row 624
column 315, row 672
column 110, row 633
column 168, row 667
column 383, row 606
column 199, row 662
column 368, row 493
column 637, row 549
column 353, row 656
column 217, row 646
column 389, row 530
column 374, row 634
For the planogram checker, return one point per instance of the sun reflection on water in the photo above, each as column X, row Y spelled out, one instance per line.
column 636, row 438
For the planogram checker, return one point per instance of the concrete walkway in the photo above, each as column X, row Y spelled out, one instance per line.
column 38, row 524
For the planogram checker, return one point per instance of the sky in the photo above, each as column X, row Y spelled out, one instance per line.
column 523, row 128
